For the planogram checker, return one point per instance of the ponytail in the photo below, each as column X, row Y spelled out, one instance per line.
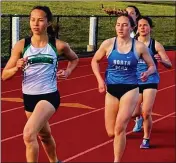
column 53, row 30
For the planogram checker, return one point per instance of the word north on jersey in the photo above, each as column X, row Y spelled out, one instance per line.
column 121, row 64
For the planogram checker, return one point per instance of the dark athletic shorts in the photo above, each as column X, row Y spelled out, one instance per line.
column 30, row 101
column 142, row 87
column 118, row 90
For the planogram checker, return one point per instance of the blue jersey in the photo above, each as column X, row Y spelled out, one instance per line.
column 142, row 66
column 122, row 68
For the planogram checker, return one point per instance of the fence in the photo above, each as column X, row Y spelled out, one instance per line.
column 83, row 33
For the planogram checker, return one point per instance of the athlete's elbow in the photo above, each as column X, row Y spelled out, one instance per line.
column 3, row 77
column 77, row 60
column 94, row 61
column 169, row 66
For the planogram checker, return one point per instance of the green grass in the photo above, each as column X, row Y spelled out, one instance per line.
column 75, row 30
column 85, row 8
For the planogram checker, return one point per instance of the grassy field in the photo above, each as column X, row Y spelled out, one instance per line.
column 86, row 8
column 75, row 30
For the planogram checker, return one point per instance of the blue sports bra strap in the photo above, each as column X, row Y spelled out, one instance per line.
column 115, row 44
column 150, row 44
column 153, row 46
column 132, row 47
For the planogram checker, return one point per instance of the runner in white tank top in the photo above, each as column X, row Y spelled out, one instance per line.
column 40, row 70
column 40, row 94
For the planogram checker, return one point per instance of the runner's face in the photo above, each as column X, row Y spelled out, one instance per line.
column 132, row 13
column 123, row 27
column 144, row 28
column 38, row 22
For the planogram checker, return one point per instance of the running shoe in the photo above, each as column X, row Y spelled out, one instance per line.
column 145, row 144
column 138, row 124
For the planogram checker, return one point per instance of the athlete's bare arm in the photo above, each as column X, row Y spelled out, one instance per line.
column 14, row 63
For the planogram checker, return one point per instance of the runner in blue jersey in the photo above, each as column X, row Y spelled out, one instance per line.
column 39, row 64
column 121, row 83
column 148, row 89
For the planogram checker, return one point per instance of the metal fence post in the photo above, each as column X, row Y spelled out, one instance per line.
column 92, row 34
column 10, row 44
column 15, row 30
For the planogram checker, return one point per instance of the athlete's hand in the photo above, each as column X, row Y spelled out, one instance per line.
column 63, row 74
column 21, row 63
column 144, row 76
column 158, row 57
column 101, row 86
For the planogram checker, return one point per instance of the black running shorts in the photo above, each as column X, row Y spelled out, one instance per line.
column 30, row 101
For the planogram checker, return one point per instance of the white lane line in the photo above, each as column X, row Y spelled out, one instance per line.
column 12, row 109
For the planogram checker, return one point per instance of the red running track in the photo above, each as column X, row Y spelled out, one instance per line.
column 80, row 133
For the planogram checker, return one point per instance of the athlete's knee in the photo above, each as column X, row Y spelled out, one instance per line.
column 146, row 115
column 110, row 134
column 119, row 129
column 29, row 135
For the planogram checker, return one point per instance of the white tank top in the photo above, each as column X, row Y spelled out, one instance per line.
column 132, row 34
column 40, row 71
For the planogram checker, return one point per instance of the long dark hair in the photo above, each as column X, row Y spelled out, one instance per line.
column 138, row 14
column 53, row 29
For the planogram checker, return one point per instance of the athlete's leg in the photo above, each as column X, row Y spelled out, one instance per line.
column 126, row 108
column 137, row 115
column 138, row 110
column 148, row 101
column 111, row 109
column 37, row 119
column 48, row 142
